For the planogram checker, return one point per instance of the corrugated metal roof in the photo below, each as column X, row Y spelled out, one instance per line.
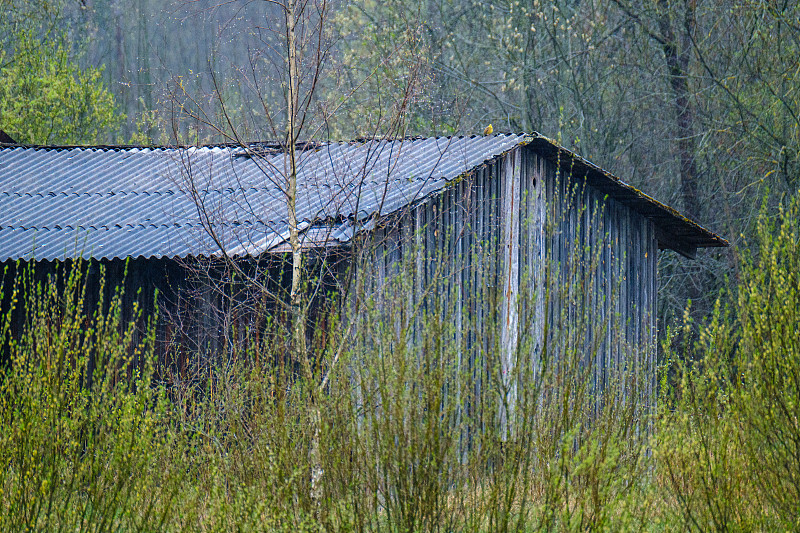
column 114, row 202
column 118, row 202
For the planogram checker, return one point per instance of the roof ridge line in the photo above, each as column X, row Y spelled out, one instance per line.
column 275, row 145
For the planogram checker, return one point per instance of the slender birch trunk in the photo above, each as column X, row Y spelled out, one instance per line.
column 299, row 348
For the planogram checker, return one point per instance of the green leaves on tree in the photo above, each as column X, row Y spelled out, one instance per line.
column 46, row 98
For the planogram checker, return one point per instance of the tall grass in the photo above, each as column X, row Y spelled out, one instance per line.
column 417, row 433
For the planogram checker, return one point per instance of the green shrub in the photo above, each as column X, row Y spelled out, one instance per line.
column 728, row 441
column 417, row 432
column 84, row 438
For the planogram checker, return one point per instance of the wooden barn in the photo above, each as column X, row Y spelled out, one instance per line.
column 509, row 226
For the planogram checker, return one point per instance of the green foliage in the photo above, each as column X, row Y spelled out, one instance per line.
column 46, row 98
column 414, row 435
column 409, row 440
column 728, row 440
column 84, row 440
column 91, row 441
column 768, row 364
column 381, row 70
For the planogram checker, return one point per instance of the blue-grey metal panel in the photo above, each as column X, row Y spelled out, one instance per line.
column 119, row 202
column 156, row 202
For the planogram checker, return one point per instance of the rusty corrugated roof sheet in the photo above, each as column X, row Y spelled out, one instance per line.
column 116, row 202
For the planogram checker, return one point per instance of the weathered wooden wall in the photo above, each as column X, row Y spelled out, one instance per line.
column 136, row 279
column 603, row 259
column 193, row 320
column 525, row 261
column 208, row 314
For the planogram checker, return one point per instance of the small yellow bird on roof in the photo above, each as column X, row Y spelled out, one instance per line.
column 489, row 129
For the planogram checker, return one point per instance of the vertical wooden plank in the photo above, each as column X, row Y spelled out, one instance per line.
column 419, row 268
column 380, row 264
column 651, row 317
column 563, row 279
column 565, row 235
column 431, row 251
column 645, row 309
column 619, row 281
column 566, row 255
column 553, row 254
column 551, row 250
column 392, row 286
column 456, row 264
column 652, row 310
column 587, row 302
column 636, row 287
column 480, row 299
column 493, row 256
column 445, row 265
column 608, row 290
column 632, row 292
column 523, row 247
column 569, row 279
column 527, row 232
column 467, row 300
column 593, row 315
column 599, row 288
column 487, row 273
column 539, row 258
column 619, row 244
column 626, row 278
column 510, row 233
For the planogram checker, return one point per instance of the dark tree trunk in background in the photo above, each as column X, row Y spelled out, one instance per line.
column 677, row 59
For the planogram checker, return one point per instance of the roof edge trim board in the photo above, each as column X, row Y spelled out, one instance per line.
column 635, row 199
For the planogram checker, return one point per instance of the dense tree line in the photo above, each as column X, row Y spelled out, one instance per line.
column 694, row 101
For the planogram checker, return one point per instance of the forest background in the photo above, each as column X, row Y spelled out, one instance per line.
column 695, row 102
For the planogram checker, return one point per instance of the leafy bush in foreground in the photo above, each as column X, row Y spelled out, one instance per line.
column 85, row 437
column 91, row 437
column 728, row 442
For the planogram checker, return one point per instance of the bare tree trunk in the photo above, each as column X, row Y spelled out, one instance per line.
column 678, row 67
column 299, row 348
column 291, row 189
column 122, row 75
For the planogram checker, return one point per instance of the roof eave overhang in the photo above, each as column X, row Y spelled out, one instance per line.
column 673, row 230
